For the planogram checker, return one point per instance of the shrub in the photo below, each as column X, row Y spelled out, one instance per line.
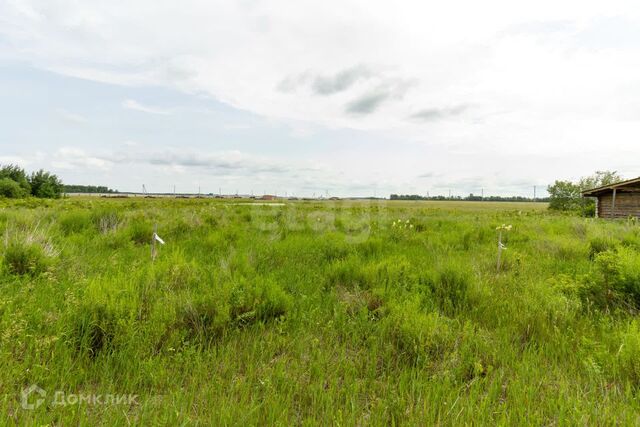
column 45, row 185
column 564, row 196
column 22, row 259
column 11, row 189
column 589, row 209
column 620, row 274
column 17, row 175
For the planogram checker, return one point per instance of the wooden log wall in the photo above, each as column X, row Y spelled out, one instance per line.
column 627, row 204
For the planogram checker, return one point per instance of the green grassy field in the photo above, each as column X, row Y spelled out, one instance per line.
column 316, row 313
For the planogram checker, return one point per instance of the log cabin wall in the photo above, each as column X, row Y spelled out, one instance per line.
column 627, row 204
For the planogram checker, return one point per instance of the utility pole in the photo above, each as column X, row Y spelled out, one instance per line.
column 534, row 193
column 482, row 193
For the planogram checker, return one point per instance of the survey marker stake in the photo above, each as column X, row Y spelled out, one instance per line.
column 155, row 238
column 501, row 246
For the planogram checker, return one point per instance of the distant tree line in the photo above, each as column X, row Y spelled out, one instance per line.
column 566, row 196
column 469, row 198
column 87, row 189
column 16, row 183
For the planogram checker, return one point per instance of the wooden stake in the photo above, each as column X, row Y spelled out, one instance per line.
column 153, row 242
column 499, row 250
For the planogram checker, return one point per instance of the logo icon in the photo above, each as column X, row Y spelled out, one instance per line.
column 28, row 402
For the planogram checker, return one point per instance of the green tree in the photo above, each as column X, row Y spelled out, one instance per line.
column 18, row 175
column 45, row 185
column 567, row 195
column 564, row 196
column 599, row 179
column 10, row 188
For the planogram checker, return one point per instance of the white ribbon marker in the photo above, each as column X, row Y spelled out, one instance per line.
column 156, row 237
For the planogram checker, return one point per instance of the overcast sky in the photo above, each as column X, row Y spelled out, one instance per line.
column 345, row 97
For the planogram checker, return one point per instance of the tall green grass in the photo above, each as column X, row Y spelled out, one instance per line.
column 317, row 313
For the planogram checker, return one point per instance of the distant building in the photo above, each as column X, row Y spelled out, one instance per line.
column 619, row 200
column 268, row 197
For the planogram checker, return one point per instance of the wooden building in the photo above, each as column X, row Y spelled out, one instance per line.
column 619, row 200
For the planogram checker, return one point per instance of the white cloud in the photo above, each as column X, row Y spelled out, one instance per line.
column 490, row 53
column 465, row 87
column 74, row 158
column 71, row 117
column 14, row 160
column 131, row 104
column 171, row 159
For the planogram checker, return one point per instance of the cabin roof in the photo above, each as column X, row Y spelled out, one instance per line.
column 606, row 188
